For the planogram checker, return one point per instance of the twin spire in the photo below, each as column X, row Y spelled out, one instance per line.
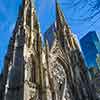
column 29, row 11
column 60, row 19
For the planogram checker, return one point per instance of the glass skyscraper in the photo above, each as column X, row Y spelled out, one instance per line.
column 90, row 45
column 49, row 34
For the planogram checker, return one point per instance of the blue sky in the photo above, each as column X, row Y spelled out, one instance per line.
column 46, row 15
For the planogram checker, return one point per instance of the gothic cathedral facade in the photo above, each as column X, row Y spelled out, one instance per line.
column 36, row 72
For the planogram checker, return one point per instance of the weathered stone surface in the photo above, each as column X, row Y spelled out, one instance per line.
column 33, row 72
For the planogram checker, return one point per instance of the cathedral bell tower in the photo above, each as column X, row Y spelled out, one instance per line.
column 64, row 34
column 24, row 74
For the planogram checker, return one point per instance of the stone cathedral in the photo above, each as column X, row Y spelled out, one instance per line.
column 33, row 71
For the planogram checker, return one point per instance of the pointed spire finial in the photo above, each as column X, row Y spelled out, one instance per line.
column 60, row 18
column 24, row 2
column 59, row 14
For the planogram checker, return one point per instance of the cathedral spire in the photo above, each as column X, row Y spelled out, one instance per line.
column 63, row 30
column 59, row 16
column 29, row 13
column 60, row 19
column 30, row 21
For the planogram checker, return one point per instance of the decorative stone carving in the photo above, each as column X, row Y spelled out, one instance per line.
column 33, row 72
